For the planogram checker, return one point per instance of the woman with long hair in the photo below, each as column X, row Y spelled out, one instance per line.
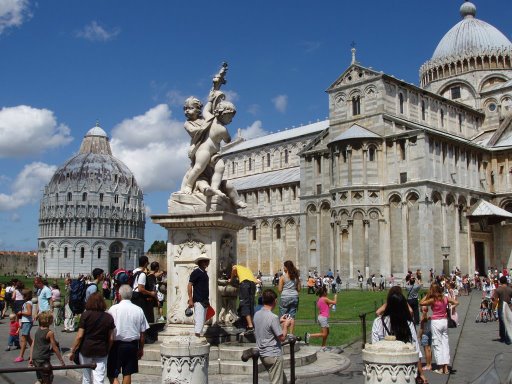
column 289, row 287
column 94, row 339
column 397, row 320
column 439, row 324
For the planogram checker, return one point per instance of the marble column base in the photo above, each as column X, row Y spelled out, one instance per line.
column 184, row 359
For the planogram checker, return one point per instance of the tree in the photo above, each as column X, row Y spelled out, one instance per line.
column 158, row 246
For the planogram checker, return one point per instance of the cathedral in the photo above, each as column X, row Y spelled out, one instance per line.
column 92, row 213
column 400, row 177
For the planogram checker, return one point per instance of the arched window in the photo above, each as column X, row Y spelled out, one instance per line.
column 101, row 197
column 442, row 118
column 61, row 224
column 82, row 252
column 286, row 156
column 250, row 164
column 89, row 224
column 84, row 196
column 56, row 197
column 268, row 159
column 254, row 233
column 65, row 252
column 116, row 198
column 278, row 231
column 116, row 228
column 356, row 105
column 401, row 98
column 423, row 110
column 460, row 122
column 70, row 196
column 371, row 153
column 99, row 253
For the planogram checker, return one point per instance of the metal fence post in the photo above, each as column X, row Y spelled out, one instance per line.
column 362, row 316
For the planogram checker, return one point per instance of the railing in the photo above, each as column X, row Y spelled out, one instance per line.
column 253, row 353
column 47, row 369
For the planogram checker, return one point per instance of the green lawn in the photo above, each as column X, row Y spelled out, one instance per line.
column 345, row 325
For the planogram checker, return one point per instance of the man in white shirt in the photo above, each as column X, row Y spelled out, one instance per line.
column 128, row 345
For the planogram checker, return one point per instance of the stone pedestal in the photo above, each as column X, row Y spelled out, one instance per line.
column 185, row 360
column 390, row 361
column 197, row 227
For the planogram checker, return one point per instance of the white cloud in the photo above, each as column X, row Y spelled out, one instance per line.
column 253, row 130
column 13, row 13
column 25, row 130
column 27, row 186
column 231, row 96
column 176, row 98
column 95, row 32
column 154, row 146
column 280, row 103
column 254, row 109
column 311, row 46
column 15, row 217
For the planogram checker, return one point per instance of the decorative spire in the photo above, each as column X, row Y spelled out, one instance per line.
column 353, row 50
column 97, row 122
column 467, row 9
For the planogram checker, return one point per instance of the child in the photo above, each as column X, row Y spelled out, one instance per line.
column 40, row 349
column 14, row 330
column 26, row 323
column 425, row 335
column 323, row 305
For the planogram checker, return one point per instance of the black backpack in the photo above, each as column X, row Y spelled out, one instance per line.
column 77, row 290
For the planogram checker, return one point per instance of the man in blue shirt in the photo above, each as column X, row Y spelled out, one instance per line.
column 98, row 276
column 44, row 295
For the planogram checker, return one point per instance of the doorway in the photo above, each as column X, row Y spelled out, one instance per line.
column 480, row 257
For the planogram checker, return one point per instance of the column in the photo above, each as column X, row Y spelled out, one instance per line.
column 350, row 248
column 366, row 224
column 456, row 230
column 405, row 258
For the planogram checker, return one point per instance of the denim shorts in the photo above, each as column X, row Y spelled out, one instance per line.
column 426, row 339
column 289, row 305
column 25, row 329
column 323, row 321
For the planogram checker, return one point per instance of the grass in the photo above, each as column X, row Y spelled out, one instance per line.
column 345, row 325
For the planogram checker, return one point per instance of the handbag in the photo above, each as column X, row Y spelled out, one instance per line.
column 451, row 323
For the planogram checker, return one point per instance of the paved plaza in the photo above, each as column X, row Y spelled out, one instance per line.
column 472, row 350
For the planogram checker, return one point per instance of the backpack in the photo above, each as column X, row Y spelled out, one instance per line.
column 77, row 289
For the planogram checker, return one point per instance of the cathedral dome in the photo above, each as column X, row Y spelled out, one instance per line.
column 470, row 36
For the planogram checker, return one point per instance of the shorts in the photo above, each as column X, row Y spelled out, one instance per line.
column 247, row 290
column 43, row 376
column 426, row 339
column 25, row 329
column 323, row 321
column 289, row 305
column 122, row 358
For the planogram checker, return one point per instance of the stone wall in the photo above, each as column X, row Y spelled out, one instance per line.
column 18, row 263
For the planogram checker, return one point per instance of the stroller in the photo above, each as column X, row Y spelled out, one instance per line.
column 486, row 312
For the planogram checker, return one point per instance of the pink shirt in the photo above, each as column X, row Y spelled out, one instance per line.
column 439, row 309
column 323, row 307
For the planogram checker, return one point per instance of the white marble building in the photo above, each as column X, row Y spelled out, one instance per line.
column 391, row 180
column 92, row 213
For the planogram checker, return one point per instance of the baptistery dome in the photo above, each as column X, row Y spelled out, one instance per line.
column 91, row 214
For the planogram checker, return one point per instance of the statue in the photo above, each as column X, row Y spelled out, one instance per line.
column 207, row 129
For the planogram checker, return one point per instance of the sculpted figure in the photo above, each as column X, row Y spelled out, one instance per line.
column 207, row 130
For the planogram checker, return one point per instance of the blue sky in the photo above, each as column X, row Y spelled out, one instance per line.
column 130, row 64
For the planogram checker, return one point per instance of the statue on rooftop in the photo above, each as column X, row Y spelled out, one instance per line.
column 207, row 129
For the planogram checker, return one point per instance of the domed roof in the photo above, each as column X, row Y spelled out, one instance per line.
column 470, row 36
column 95, row 162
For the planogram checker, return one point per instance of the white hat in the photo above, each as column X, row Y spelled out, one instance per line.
column 201, row 257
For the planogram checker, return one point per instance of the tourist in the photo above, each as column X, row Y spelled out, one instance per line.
column 152, row 301
column 360, row 279
column 26, row 324
column 269, row 336
column 323, row 304
column 439, row 324
column 289, row 287
column 94, row 339
column 199, row 292
column 17, row 295
column 14, row 333
column 452, row 294
column 246, row 292
column 140, row 293
column 98, row 276
column 311, row 285
column 44, row 340
column 503, row 294
column 2, row 300
column 128, row 347
column 9, row 297
column 44, row 296
column 396, row 320
column 413, row 288
column 69, row 317
column 425, row 335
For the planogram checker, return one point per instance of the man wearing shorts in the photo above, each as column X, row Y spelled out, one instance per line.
column 246, row 292
column 128, row 347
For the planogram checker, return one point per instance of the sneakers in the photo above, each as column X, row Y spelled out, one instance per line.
column 161, row 319
column 19, row 359
column 8, row 348
column 307, row 336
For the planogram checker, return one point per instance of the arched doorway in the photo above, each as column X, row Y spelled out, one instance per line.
column 115, row 252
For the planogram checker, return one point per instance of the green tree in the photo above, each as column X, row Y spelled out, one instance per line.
column 158, row 246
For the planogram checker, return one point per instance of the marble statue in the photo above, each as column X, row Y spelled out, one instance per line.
column 207, row 129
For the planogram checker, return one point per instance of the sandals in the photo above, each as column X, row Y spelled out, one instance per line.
column 441, row 372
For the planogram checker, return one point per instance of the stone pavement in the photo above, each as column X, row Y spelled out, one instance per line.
column 471, row 345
